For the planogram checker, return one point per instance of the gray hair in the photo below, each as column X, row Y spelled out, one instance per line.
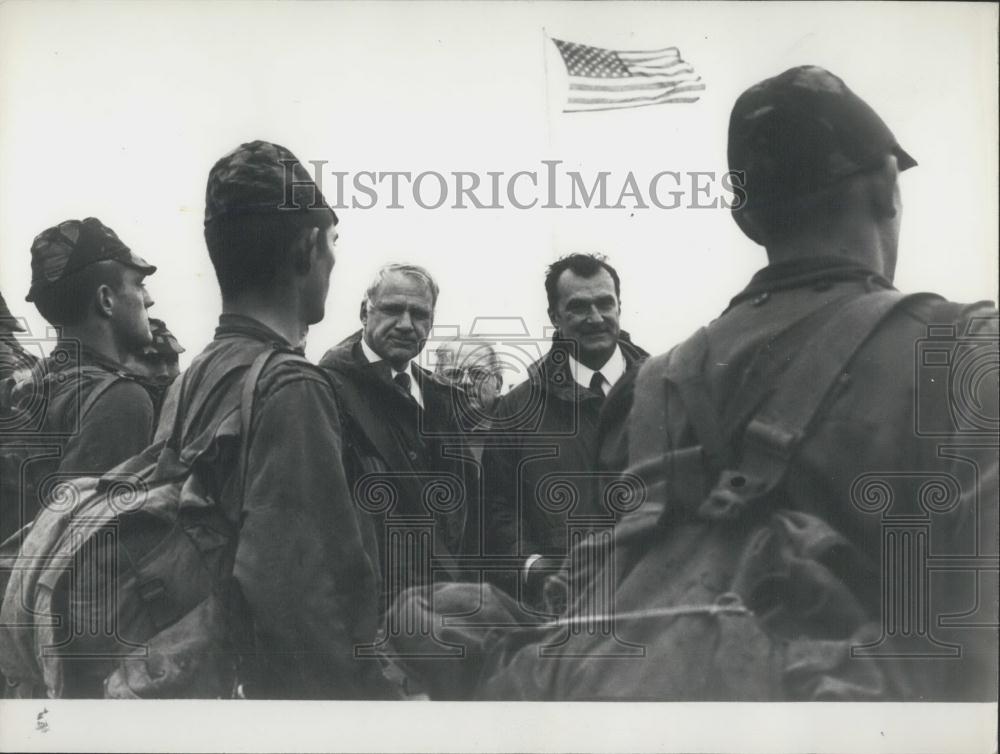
column 409, row 270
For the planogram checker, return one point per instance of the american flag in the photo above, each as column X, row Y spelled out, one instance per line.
column 602, row 79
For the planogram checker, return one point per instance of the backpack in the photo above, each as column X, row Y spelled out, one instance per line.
column 125, row 581
column 713, row 591
column 24, row 398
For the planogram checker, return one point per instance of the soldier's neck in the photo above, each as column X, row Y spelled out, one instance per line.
column 276, row 312
column 97, row 337
column 862, row 244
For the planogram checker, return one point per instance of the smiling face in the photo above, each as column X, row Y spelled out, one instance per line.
column 587, row 311
column 398, row 318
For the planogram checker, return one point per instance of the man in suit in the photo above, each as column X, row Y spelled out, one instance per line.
column 407, row 461
column 549, row 440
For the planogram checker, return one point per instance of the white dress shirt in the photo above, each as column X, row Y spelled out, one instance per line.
column 374, row 358
column 612, row 371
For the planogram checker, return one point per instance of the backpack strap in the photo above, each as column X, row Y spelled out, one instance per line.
column 249, row 392
column 100, row 389
column 776, row 430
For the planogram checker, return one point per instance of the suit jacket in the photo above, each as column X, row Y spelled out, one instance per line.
column 542, row 467
column 410, row 467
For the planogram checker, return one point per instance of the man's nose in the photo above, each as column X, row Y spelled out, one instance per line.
column 147, row 300
column 404, row 322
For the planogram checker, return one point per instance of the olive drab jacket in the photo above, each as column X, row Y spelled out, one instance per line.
column 75, row 413
column 305, row 559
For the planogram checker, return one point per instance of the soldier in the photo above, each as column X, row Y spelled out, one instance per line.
column 304, row 557
column 560, row 404
column 160, row 359
column 821, row 519
column 403, row 425
column 13, row 357
column 82, row 402
column 158, row 364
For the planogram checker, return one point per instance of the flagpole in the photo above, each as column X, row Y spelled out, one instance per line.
column 553, row 241
column 548, row 83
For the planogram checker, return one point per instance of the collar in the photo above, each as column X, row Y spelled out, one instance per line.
column 236, row 325
column 68, row 354
column 612, row 370
column 796, row 273
column 374, row 358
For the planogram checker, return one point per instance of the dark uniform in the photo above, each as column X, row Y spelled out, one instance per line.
column 158, row 363
column 406, row 463
column 78, row 412
column 305, row 560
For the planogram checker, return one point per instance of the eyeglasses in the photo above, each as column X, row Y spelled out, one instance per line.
column 458, row 374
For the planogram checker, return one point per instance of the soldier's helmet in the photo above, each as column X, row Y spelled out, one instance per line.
column 801, row 131
column 63, row 250
column 260, row 177
column 164, row 344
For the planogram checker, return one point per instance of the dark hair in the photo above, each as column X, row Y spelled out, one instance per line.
column 781, row 220
column 247, row 251
column 584, row 265
column 69, row 299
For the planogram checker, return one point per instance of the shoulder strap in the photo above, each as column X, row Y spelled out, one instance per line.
column 99, row 390
column 774, row 433
column 249, row 393
column 685, row 370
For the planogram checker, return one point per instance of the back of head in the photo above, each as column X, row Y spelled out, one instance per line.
column 259, row 199
column 70, row 261
column 797, row 140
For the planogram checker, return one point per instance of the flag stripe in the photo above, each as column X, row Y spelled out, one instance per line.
column 640, row 70
column 629, row 60
column 604, row 100
column 649, row 52
column 633, row 82
column 589, row 87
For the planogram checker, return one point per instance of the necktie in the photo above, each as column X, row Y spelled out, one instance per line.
column 597, row 384
column 402, row 381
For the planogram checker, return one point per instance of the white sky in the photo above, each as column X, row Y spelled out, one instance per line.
column 118, row 110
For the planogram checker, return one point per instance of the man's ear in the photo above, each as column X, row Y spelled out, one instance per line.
column 303, row 249
column 364, row 311
column 104, row 300
column 552, row 318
